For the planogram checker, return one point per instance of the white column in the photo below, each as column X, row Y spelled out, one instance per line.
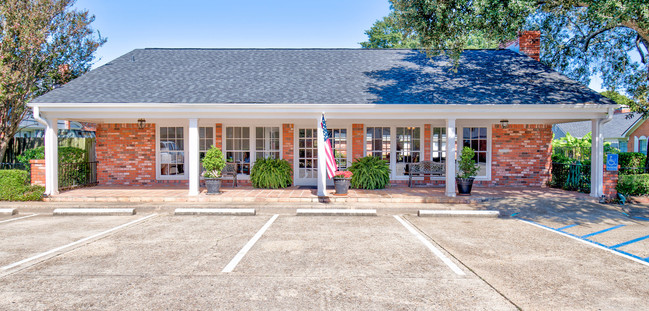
column 450, row 157
column 51, row 158
column 193, row 158
column 597, row 160
column 322, row 155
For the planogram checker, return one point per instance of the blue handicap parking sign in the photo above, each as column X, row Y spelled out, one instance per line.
column 611, row 162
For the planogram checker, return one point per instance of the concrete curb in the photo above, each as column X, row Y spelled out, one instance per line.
column 450, row 213
column 93, row 212
column 334, row 212
column 216, row 211
column 8, row 211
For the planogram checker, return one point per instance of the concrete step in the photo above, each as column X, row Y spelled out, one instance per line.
column 94, row 212
column 457, row 213
column 335, row 212
column 216, row 211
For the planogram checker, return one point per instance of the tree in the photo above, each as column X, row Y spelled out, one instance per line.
column 387, row 34
column 579, row 38
column 618, row 98
column 43, row 43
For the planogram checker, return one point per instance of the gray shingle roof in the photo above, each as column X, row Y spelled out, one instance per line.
column 614, row 129
column 321, row 76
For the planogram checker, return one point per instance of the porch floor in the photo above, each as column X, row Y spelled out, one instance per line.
column 394, row 194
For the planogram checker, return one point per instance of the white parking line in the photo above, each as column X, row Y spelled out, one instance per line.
column 52, row 251
column 233, row 263
column 431, row 247
column 8, row 220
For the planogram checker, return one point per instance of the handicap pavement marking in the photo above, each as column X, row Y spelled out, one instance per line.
column 601, row 231
column 612, row 249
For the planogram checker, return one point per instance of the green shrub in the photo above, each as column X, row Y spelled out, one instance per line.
column 14, row 186
column 66, row 155
column 467, row 167
column 633, row 184
column 271, row 173
column 370, row 173
column 213, row 163
column 628, row 160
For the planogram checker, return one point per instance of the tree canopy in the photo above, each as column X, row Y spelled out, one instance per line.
column 43, row 43
column 609, row 38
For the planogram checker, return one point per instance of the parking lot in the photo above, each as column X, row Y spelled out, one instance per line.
column 282, row 261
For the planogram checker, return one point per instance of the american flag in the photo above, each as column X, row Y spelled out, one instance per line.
column 332, row 167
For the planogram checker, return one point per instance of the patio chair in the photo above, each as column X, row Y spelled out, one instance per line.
column 230, row 170
column 424, row 168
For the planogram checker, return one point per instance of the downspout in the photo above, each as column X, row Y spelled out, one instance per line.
column 49, row 169
column 599, row 162
column 38, row 118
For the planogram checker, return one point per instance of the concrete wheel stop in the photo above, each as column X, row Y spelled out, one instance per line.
column 334, row 212
column 94, row 212
column 454, row 213
column 8, row 211
column 216, row 211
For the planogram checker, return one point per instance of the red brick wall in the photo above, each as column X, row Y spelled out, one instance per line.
column 521, row 155
column 358, row 141
column 610, row 182
column 218, row 136
column 126, row 154
column 642, row 130
column 37, row 172
column 530, row 43
column 288, row 144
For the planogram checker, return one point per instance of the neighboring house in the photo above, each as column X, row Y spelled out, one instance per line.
column 626, row 131
column 395, row 104
column 68, row 129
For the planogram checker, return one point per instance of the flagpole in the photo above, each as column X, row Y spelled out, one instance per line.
column 322, row 167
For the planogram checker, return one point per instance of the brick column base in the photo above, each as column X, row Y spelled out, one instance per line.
column 610, row 182
column 37, row 172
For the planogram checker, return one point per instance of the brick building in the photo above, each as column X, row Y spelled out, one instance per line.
column 253, row 103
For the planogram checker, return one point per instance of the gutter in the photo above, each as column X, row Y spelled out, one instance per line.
column 38, row 118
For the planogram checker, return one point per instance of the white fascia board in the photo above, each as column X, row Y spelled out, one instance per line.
column 337, row 111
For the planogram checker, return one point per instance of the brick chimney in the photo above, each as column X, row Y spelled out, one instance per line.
column 530, row 43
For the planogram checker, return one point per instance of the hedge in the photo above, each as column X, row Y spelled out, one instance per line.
column 14, row 186
column 633, row 184
column 631, row 160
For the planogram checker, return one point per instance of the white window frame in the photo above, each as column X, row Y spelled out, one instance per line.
column 460, row 143
column 421, row 151
column 253, row 124
column 158, row 160
column 264, row 150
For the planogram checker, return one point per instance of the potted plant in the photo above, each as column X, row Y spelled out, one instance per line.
column 467, row 169
column 341, row 181
column 213, row 163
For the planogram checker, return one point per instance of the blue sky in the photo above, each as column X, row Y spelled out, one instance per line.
column 136, row 24
column 230, row 24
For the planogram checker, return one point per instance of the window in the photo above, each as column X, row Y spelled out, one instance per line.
column 238, row 148
column 624, row 146
column 408, row 148
column 642, row 143
column 378, row 142
column 267, row 142
column 307, row 153
column 172, row 155
column 476, row 138
column 205, row 141
column 338, row 140
column 438, row 144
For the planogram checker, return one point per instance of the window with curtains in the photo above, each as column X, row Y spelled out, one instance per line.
column 377, row 142
column 408, row 148
column 237, row 145
column 476, row 138
column 172, row 154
